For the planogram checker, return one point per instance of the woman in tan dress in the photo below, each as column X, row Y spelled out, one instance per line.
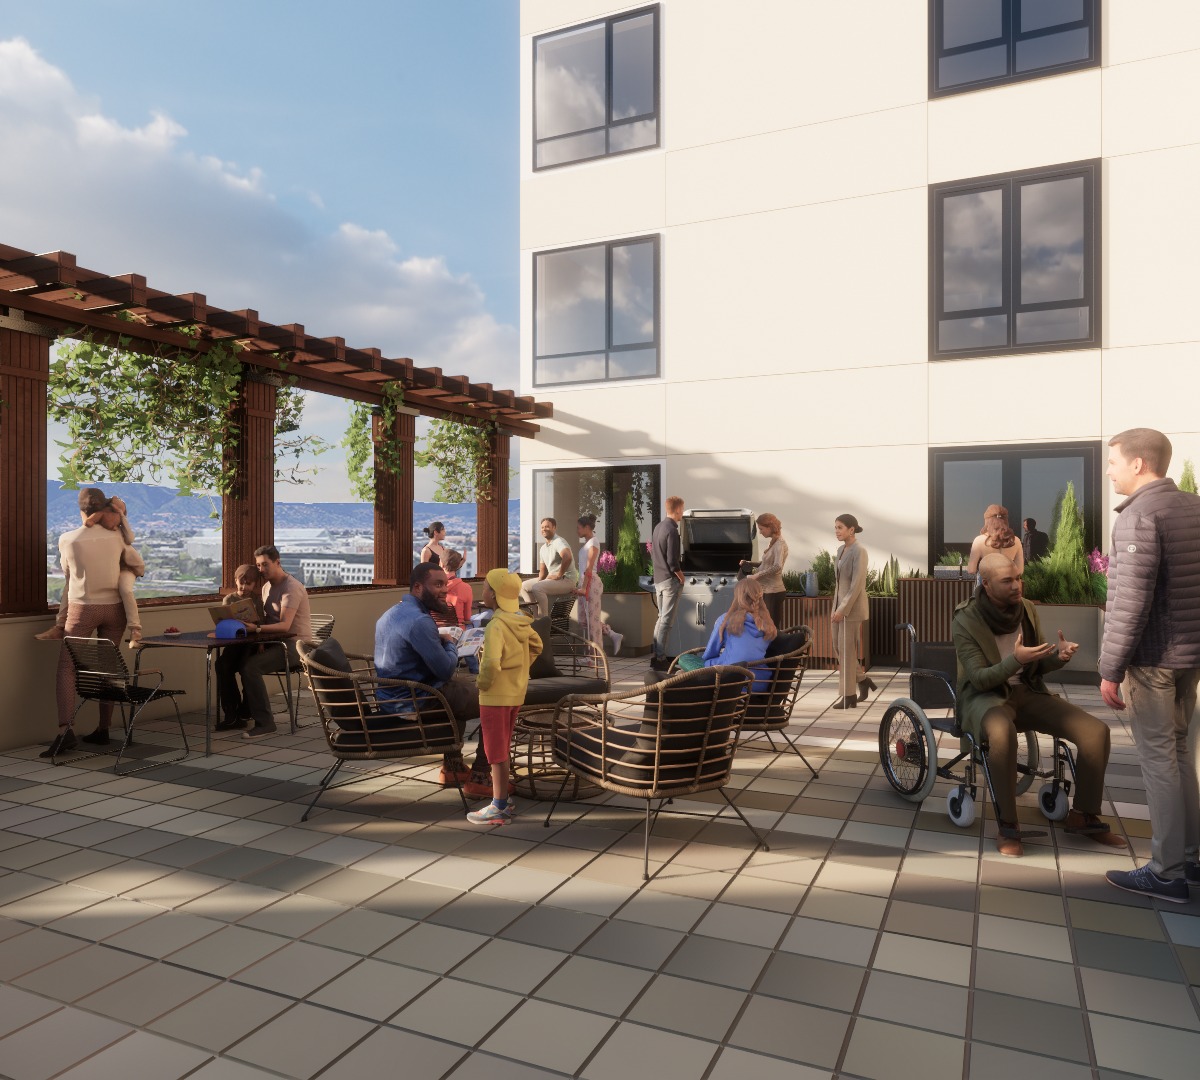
column 768, row 572
column 996, row 535
column 850, row 612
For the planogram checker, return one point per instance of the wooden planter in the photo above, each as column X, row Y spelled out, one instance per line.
column 630, row 613
column 815, row 612
column 928, row 604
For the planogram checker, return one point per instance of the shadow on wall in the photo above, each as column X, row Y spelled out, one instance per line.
column 885, row 487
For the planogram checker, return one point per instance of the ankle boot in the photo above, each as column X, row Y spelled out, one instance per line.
column 864, row 686
column 848, row 702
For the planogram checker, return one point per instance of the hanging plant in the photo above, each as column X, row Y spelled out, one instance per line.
column 363, row 456
column 460, row 451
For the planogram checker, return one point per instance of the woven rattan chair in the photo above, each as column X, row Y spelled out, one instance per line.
column 322, row 629
column 770, row 709
column 101, row 676
column 673, row 738
column 419, row 723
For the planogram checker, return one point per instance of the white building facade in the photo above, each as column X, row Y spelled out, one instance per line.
column 897, row 258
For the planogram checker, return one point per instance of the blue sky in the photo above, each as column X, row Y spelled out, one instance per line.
column 351, row 166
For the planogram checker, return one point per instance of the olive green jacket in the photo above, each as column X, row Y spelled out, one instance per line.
column 982, row 675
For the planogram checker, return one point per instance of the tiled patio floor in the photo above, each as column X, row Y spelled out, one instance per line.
column 185, row 923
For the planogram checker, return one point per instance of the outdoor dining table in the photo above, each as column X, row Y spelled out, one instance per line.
column 199, row 639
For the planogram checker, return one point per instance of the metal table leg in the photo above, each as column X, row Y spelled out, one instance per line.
column 208, row 654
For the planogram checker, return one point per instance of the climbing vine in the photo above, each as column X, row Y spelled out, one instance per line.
column 361, row 454
column 460, row 451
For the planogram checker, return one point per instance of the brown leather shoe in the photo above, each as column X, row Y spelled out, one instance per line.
column 1009, row 846
column 1094, row 828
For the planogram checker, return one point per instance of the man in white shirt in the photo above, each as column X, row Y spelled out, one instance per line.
column 557, row 573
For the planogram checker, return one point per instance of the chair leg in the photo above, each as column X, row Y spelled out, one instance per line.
column 128, row 740
column 321, row 790
column 554, row 806
column 646, row 853
column 762, row 840
column 461, row 794
column 796, row 750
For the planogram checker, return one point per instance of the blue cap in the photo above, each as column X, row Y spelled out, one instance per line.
column 229, row 628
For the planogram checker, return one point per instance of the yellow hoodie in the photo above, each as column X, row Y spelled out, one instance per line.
column 510, row 645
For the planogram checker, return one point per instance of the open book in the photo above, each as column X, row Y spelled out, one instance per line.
column 239, row 609
column 468, row 639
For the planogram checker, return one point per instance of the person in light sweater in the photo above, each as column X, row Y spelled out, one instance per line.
column 90, row 557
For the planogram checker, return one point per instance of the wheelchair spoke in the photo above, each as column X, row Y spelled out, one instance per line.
column 906, row 761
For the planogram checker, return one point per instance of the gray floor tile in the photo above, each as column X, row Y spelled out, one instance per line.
column 373, row 989
column 924, row 920
column 481, row 1066
column 1132, row 956
column 1045, row 1028
column 552, row 928
column 634, row 1052
column 812, row 980
column 594, row 984
column 40, row 1050
column 378, row 1055
column 54, row 903
column 925, row 959
column 691, row 1008
column 456, row 1011
column 138, row 844
column 294, row 916
column 735, row 1064
column 479, row 913
column 237, row 863
column 105, row 919
column 916, row 1003
column 76, row 865
column 81, row 973
column 432, row 948
column 843, row 907
column 1002, row 1063
column 1122, row 1045
column 549, row 1036
column 146, row 994
column 220, row 1017
column 126, row 875
column 142, row 1056
column 632, row 943
column 750, row 927
column 509, row 965
column 1152, row 1000
column 411, row 899
column 227, row 952
column 663, row 909
column 187, row 852
column 296, row 970
column 291, row 875
column 882, row 1051
column 360, row 931
column 728, row 963
column 18, row 1008
column 1026, row 976
column 301, row 1041
column 33, row 949
column 791, row 1030
column 830, row 941
column 165, row 934
column 232, row 902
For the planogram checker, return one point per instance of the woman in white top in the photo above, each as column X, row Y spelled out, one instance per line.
column 436, row 533
column 996, row 535
column 591, row 588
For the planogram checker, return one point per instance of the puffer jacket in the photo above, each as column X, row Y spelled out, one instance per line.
column 1153, row 611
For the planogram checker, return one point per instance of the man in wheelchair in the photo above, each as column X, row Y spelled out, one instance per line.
column 1003, row 659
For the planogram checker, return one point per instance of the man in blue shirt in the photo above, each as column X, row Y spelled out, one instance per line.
column 408, row 646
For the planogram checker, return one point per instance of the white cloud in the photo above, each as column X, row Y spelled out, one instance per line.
column 137, row 200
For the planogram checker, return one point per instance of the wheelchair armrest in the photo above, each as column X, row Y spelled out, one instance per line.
column 929, row 673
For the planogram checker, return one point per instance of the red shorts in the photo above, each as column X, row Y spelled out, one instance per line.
column 496, row 722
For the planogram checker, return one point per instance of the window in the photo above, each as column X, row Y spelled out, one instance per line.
column 980, row 43
column 567, row 494
column 1028, row 480
column 1014, row 263
column 595, row 90
column 595, row 312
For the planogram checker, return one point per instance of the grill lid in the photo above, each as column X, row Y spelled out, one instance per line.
column 717, row 539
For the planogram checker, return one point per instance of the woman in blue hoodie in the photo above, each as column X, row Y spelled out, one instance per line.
column 741, row 635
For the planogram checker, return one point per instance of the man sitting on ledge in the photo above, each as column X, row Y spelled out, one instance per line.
column 1002, row 661
column 408, row 646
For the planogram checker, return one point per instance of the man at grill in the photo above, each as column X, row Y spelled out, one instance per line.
column 1002, row 663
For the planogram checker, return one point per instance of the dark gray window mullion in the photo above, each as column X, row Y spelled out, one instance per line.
column 608, row 291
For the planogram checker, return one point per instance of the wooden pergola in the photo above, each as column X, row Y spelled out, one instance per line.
column 46, row 296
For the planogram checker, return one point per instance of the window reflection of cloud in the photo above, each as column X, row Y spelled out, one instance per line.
column 972, row 255
column 1037, row 16
column 571, row 87
column 1053, row 49
column 571, row 369
column 1052, row 241
column 967, row 21
column 633, row 67
column 632, row 293
column 570, row 301
column 632, row 136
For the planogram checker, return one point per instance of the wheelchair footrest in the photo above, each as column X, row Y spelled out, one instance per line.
column 1019, row 834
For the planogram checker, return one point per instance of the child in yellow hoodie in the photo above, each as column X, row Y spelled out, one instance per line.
column 510, row 645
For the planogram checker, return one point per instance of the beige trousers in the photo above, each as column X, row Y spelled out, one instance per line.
column 845, row 646
column 543, row 591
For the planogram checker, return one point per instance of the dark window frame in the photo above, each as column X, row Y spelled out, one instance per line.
column 1091, row 20
column 1011, row 455
column 1090, row 170
column 609, row 123
column 608, row 246
column 611, row 523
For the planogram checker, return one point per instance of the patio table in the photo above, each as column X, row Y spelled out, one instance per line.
column 200, row 639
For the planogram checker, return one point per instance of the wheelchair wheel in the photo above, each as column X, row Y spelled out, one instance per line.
column 1053, row 804
column 907, row 750
column 961, row 807
column 1029, row 756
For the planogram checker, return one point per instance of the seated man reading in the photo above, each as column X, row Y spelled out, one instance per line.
column 408, row 646
column 1002, row 663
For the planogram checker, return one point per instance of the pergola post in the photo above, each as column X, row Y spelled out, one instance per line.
column 491, row 517
column 24, row 372
column 248, row 511
column 394, row 504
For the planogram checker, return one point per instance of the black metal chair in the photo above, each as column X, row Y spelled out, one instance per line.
column 101, row 676
column 322, row 629
column 560, row 613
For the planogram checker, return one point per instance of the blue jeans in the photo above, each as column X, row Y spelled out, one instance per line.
column 667, row 593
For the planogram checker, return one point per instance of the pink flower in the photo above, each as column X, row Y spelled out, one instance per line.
column 607, row 561
column 1098, row 562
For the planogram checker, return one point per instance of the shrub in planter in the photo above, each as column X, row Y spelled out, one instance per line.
column 883, row 582
column 793, row 582
column 1187, row 482
column 1064, row 576
column 826, row 570
column 631, row 560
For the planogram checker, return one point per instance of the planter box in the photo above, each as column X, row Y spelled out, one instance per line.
column 885, row 613
column 632, row 614
column 928, row 604
column 815, row 612
column 1083, row 624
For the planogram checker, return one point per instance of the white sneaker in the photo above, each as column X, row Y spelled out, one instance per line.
column 616, row 640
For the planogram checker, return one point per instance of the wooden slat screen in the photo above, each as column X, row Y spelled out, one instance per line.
column 929, row 605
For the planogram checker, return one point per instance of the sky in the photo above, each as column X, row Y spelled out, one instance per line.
column 349, row 166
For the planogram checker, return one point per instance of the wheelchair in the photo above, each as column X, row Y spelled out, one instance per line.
column 908, row 750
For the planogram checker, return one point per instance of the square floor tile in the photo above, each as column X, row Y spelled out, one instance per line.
column 81, row 973
column 165, row 934
column 54, row 903
column 456, row 1011
column 587, row 894
column 479, row 913
column 294, row 916
column 142, row 1056
column 853, row 908
column 301, row 1041
column 296, row 970
column 76, row 865
column 373, row 989
column 552, row 928
column 889, row 1052
column 728, row 963
column 1045, row 1028
column 1136, row 998
column 41, row 1050
column 432, row 948
column 148, row 993
column 595, row 985
column 1002, row 1063
column 232, row 902
column 515, row 883
column 1183, row 929
column 924, row 959
column 1026, row 976
column 549, row 1035
column 735, row 1064
column 411, row 899
column 127, row 875
column 937, row 892
column 750, row 927
column 1132, row 956
column 691, row 1008
column 396, row 862
column 237, row 863
column 813, row 981
column 1122, row 1045
column 360, row 931
column 1024, row 937
column 227, row 952
column 1022, row 904
column 18, row 1008
column 922, row 920
column 176, row 889
column 791, row 1030
column 379, row 1054
column 217, row 1019
column 831, row 941
column 916, row 1003
column 634, row 1052
column 632, row 943
column 455, row 873
column 291, row 875
column 509, row 965
column 105, row 919
column 665, row 910
column 137, row 843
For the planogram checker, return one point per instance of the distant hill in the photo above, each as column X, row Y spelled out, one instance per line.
column 160, row 509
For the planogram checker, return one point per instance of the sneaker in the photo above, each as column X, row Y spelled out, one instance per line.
column 659, row 663
column 490, row 815
column 99, row 737
column 1191, row 873
column 259, row 732
column 61, row 744
column 230, row 723
column 1145, row 881
column 511, row 807
column 616, row 640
